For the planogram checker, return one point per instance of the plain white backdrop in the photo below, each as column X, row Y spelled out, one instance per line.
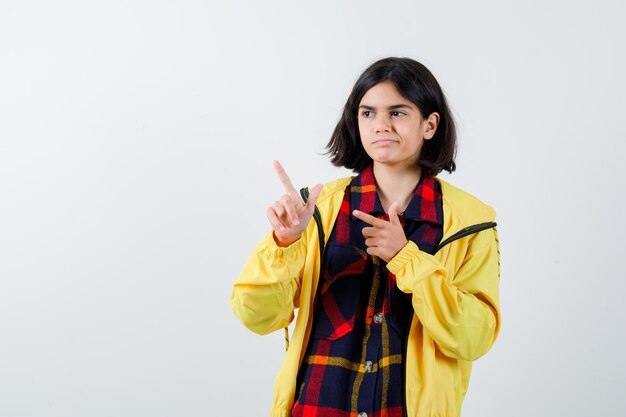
column 136, row 140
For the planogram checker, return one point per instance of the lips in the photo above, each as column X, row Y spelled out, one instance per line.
column 384, row 141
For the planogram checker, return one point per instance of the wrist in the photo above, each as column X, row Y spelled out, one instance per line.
column 284, row 241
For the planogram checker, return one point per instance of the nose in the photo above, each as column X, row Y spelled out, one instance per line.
column 382, row 123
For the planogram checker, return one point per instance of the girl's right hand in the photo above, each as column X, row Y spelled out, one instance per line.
column 289, row 216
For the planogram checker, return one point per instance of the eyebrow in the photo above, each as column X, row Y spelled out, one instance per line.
column 392, row 107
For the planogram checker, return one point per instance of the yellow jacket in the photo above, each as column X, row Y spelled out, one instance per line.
column 454, row 296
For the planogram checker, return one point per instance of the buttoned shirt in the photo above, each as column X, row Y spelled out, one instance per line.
column 354, row 360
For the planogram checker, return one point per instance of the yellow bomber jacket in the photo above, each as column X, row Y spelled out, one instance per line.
column 454, row 294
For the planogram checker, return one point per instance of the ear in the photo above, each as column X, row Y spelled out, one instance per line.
column 430, row 125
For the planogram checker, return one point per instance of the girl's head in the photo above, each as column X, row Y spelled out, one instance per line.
column 424, row 122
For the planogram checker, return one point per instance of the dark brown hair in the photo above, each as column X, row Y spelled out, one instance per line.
column 415, row 83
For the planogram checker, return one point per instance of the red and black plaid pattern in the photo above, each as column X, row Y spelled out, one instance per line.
column 354, row 359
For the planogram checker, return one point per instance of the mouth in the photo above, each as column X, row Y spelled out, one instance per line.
column 384, row 142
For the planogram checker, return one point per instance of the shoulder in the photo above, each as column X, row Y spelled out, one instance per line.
column 464, row 205
column 333, row 188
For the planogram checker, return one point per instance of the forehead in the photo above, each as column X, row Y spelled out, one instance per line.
column 383, row 94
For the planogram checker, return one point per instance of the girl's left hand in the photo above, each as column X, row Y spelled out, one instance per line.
column 385, row 238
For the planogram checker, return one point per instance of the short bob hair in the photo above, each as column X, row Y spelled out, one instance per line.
column 415, row 83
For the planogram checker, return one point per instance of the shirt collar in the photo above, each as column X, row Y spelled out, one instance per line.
column 424, row 205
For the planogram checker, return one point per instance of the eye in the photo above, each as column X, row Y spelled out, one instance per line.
column 397, row 113
column 366, row 113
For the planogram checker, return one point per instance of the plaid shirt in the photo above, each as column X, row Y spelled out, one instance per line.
column 354, row 361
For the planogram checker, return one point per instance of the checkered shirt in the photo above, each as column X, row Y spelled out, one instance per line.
column 354, row 360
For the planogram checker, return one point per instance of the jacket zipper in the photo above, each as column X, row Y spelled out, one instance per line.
column 466, row 231
column 458, row 235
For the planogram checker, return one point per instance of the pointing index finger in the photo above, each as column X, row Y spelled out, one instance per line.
column 367, row 218
column 284, row 179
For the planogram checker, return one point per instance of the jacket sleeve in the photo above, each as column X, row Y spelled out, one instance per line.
column 461, row 313
column 264, row 292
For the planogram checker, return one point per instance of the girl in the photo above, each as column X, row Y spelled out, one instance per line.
column 396, row 280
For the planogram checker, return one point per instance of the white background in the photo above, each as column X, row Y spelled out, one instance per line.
column 136, row 140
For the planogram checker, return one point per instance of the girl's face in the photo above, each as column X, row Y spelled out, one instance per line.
column 391, row 127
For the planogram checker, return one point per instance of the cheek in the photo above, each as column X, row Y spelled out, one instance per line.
column 411, row 133
column 361, row 127
column 362, row 133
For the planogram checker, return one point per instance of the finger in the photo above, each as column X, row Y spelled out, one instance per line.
column 369, row 231
column 279, row 208
column 393, row 213
column 315, row 192
column 274, row 220
column 281, row 212
column 288, row 204
column 372, row 242
column 369, row 219
column 284, row 179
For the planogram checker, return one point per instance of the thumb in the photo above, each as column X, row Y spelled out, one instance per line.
column 393, row 213
column 315, row 192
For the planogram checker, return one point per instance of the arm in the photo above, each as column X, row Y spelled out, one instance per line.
column 461, row 313
column 264, row 292
column 267, row 290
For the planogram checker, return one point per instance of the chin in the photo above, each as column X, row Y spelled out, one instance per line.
column 383, row 158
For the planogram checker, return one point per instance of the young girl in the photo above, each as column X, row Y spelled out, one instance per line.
column 405, row 294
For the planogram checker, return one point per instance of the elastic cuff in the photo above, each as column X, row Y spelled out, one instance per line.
column 278, row 251
column 410, row 250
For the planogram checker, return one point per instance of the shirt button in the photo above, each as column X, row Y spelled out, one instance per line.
column 368, row 366
column 378, row 318
column 363, row 414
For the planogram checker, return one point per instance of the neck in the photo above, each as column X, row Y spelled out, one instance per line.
column 396, row 183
